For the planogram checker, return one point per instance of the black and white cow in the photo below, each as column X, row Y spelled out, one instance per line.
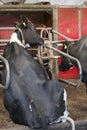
column 31, row 98
column 65, row 62
column 78, row 50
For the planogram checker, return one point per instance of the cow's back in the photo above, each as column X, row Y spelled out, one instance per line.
column 21, row 60
column 31, row 99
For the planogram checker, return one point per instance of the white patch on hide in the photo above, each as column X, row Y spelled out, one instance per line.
column 65, row 113
column 30, row 107
column 27, row 45
column 14, row 38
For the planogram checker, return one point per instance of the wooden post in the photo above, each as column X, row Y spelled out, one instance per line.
column 55, row 27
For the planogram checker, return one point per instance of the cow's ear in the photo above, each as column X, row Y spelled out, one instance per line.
column 16, row 24
column 24, row 21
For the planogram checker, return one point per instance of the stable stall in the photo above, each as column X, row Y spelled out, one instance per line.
column 61, row 22
column 67, row 20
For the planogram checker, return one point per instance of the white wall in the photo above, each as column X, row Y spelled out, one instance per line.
column 53, row 2
column 67, row 2
column 58, row 2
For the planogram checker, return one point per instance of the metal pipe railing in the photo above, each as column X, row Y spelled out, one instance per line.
column 7, row 28
column 63, row 36
column 63, row 119
column 70, row 120
column 4, row 41
column 8, row 72
column 73, row 58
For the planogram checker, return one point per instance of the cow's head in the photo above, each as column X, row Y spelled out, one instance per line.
column 27, row 32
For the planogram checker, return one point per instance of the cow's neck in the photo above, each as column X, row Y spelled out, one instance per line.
column 14, row 38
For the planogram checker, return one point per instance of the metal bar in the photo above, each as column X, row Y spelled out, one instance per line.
column 8, row 72
column 1, row 66
column 73, row 58
column 32, row 49
column 3, row 40
column 70, row 120
column 61, row 41
column 1, row 50
column 67, row 82
column 7, row 28
column 1, row 53
column 52, row 57
column 65, row 37
column 44, row 29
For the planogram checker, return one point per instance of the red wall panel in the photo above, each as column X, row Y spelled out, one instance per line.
column 6, row 20
column 5, row 34
column 68, row 22
column 84, row 21
column 68, row 25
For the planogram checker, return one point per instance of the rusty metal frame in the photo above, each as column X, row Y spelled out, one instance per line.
column 54, row 12
column 51, row 56
column 48, row 54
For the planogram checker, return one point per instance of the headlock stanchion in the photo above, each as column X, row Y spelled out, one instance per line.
column 48, row 46
column 73, row 58
column 7, row 72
